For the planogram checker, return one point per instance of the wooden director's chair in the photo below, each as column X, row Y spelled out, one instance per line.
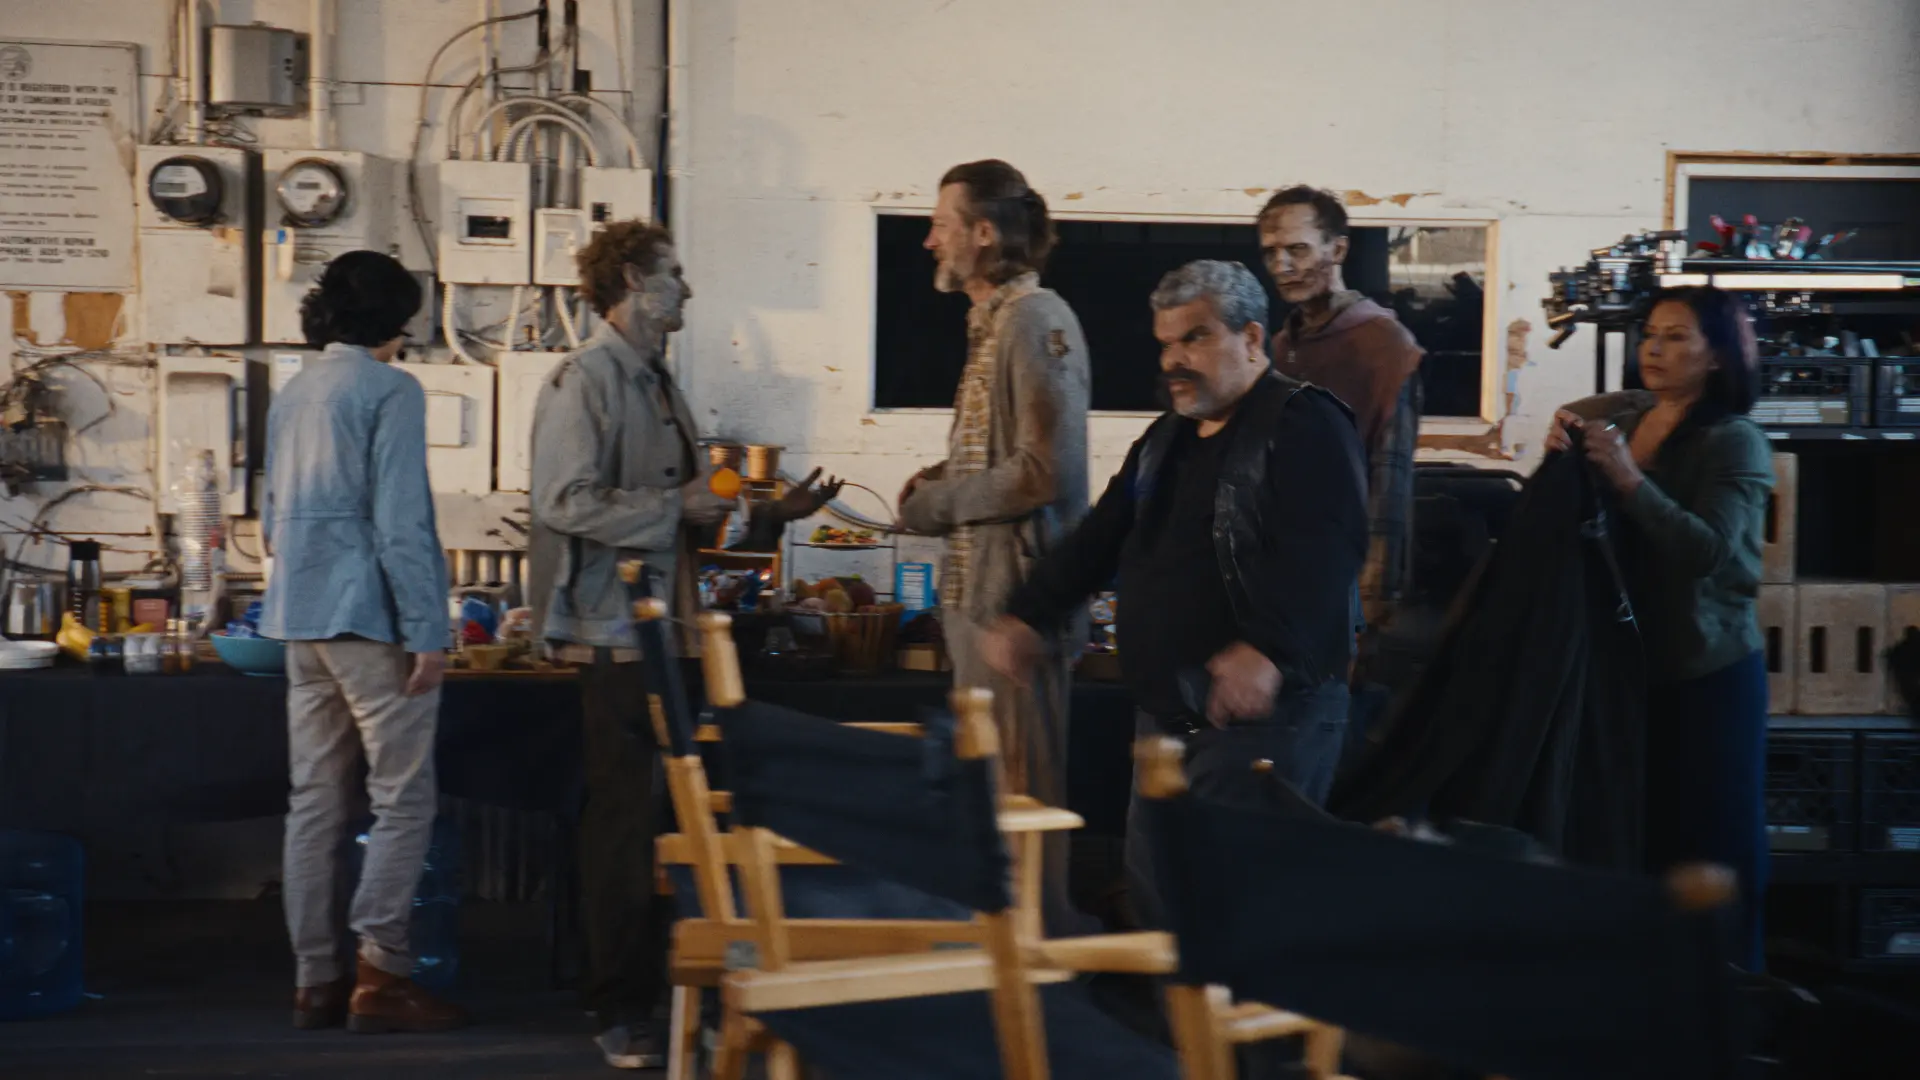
column 923, row 812
column 851, row 914
column 1479, row 960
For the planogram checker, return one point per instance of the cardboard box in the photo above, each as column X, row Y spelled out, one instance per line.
column 922, row 657
column 1903, row 615
column 1779, row 631
column 1098, row 667
column 1839, row 668
column 1781, row 527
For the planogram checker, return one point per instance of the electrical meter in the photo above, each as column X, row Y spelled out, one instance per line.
column 198, row 226
column 312, row 193
column 187, row 189
column 329, row 202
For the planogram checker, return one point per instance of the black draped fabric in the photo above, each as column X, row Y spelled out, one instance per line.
column 902, row 808
column 1533, row 713
column 1488, row 963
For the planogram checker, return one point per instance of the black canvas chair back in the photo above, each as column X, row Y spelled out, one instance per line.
column 667, row 693
column 905, row 809
column 1494, row 964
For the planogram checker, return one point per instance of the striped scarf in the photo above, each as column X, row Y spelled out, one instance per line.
column 969, row 445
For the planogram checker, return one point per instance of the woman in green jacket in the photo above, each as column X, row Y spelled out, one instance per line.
column 1692, row 474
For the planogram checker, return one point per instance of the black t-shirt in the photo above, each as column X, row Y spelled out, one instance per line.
column 1174, row 612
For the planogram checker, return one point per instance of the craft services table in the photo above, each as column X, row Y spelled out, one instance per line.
column 79, row 749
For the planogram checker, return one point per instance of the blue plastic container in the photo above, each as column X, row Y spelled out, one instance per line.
column 434, row 934
column 41, row 896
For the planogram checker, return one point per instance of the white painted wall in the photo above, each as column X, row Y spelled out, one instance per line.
column 1552, row 118
column 809, row 115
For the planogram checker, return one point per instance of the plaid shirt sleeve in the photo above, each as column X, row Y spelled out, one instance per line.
column 1388, row 570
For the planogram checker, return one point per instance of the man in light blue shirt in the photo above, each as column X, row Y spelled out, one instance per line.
column 359, row 596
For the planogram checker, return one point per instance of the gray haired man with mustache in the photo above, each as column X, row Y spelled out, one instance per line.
column 1237, row 528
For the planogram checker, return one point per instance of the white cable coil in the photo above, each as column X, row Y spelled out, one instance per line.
column 513, row 316
column 510, row 149
column 563, row 302
column 634, row 157
column 449, row 330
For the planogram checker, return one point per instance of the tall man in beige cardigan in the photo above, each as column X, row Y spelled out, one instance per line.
column 1015, row 479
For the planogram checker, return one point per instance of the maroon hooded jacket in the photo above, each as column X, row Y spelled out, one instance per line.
column 1367, row 359
column 1362, row 354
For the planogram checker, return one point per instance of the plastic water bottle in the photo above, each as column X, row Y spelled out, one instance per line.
column 198, row 519
column 41, row 896
column 434, row 931
column 435, row 935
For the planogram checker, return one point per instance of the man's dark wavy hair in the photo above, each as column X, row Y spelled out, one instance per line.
column 362, row 298
column 604, row 261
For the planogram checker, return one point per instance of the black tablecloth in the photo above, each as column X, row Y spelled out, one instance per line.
column 79, row 749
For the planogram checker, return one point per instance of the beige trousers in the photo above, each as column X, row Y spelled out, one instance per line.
column 346, row 699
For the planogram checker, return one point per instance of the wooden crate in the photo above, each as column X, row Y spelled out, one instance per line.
column 1781, row 526
column 1779, row 632
column 1838, row 664
column 1903, row 614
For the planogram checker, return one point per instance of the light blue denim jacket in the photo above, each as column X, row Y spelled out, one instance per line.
column 349, row 515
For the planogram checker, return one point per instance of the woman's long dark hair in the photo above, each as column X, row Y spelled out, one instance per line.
column 1734, row 383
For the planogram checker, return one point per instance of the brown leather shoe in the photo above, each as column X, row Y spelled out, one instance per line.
column 383, row 1002
column 322, row 1006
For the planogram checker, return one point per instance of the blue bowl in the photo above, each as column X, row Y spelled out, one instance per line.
column 251, row 656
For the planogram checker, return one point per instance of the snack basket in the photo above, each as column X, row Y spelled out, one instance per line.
column 863, row 640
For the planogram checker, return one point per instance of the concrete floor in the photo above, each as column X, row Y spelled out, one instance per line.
column 203, row 989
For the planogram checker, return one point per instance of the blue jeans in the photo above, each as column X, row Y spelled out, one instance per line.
column 1303, row 738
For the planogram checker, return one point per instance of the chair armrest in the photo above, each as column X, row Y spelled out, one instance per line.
column 705, row 941
column 673, row 849
column 1250, row 1021
column 824, row 983
column 710, row 733
column 915, row 730
column 1146, row 953
column 1039, row 819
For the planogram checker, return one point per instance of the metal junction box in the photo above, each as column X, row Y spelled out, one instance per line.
column 485, row 222
column 256, row 69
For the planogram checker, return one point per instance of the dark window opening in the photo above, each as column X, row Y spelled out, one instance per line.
column 1433, row 278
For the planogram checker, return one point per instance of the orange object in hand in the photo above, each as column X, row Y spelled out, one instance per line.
column 724, row 483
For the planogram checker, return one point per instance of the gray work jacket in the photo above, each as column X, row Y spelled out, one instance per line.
column 612, row 445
